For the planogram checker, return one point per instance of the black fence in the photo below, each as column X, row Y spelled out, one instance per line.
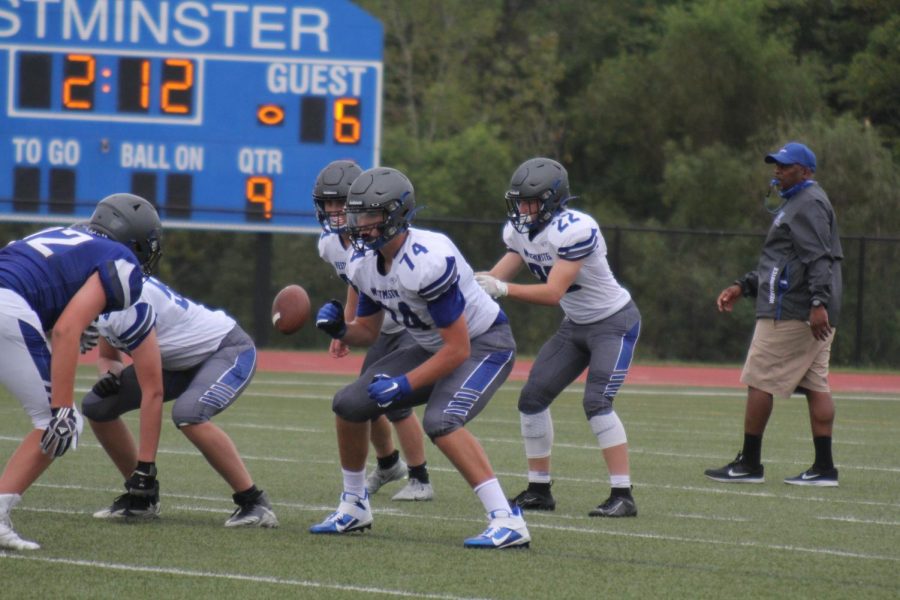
column 674, row 276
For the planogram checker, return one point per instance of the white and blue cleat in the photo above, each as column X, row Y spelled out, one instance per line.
column 507, row 529
column 352, row 514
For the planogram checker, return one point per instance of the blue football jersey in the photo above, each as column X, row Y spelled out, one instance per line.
column 49, row 267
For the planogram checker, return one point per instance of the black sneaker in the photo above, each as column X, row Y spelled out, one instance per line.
column 737, row 471
column 536, row 497
column 616, row 506
column 815, row 476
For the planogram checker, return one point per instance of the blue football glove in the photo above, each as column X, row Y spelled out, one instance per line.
column 61, row 432
column 330, row 319
column 385, row 390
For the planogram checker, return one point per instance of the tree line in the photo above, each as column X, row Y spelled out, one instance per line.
column 662, row 111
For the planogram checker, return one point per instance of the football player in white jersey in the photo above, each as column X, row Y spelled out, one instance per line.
column 464, row 351
column 329, row 195
column 60, row 279
column 207, row 361
column 565, row 250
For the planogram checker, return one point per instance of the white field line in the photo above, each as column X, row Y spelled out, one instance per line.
column 532, row 525
column 637, row 390
column 305, row 583
column 857, row 520
column 581, row 447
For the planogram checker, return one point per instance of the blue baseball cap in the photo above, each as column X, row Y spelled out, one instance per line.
column 793, row 153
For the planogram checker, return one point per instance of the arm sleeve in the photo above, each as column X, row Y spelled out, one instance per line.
column 366, row 306
column 811, row 234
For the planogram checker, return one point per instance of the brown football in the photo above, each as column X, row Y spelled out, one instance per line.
column 290, row 309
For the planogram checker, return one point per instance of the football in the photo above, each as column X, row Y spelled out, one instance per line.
column 290, row 309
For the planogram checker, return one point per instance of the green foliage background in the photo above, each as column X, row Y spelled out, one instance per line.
column 661, row 111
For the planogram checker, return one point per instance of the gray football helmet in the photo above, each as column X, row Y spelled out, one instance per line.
column 541, row 179
column 379, row 207
column 132, row 221
column 333, row 183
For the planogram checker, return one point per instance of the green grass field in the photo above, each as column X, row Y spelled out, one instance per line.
column 693, row 538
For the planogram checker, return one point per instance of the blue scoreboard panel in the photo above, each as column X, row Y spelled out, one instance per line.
column 220, row 112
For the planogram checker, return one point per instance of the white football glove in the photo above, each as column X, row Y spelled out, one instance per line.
column 90, row 338
column 490, row 284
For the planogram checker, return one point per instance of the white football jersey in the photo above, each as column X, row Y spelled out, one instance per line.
column 188, row 333
column 332, row 251
column 573, row 235
column 425, row 267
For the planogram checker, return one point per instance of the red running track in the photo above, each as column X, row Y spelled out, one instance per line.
column 718, row 377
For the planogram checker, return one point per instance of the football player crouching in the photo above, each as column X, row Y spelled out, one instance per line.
column 58, row 280
column 205, row 361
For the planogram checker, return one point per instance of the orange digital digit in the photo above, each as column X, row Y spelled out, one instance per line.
column 175, row 96
column 79, row 82
column 145, row 84
column 259, row 191
column 347, row 127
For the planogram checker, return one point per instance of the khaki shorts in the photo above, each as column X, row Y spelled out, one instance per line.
column 784, row 356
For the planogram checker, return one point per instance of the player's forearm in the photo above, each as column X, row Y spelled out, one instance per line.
column 359, row 334
column 151, row 426
column 442, row 363
column 62, row 368
column 536, row 293
column 105, row 365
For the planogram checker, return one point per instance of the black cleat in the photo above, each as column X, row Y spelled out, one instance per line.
column 536, row 497
column 737, row 471
column 616, row 506
column 131, row 507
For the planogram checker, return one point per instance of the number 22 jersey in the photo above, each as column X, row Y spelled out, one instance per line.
column 573, row 235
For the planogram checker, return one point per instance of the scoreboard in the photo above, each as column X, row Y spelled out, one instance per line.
column 220, row 112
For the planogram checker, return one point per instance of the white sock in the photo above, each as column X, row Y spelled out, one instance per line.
column 620, row 481
column 491, row 495
column 538, row 476
column 355, row 482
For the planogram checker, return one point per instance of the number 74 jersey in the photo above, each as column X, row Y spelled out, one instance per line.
column 428, row 286
column 573, row 235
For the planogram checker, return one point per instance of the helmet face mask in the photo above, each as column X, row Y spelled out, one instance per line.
column 332, row 221
column 333, row 184
column 540, row 179
column 379, row 207
column 367, row 228
column 134, row 222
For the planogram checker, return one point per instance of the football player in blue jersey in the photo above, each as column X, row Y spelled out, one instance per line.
column 464, row 351
column 58, row 280
column 565, row 250
column 329, row 195
column 205, row 361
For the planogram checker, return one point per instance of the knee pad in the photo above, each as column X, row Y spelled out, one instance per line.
column 609, row 430
column 537, row 433
column 398, row 414
column 443, row 425
column 182, row 417
column 532, row 400
column 352, row 403
column 100, row 409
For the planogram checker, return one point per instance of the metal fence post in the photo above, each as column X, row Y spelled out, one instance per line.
column 860, row 300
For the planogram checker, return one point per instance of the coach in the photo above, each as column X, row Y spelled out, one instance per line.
column 797, row 285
